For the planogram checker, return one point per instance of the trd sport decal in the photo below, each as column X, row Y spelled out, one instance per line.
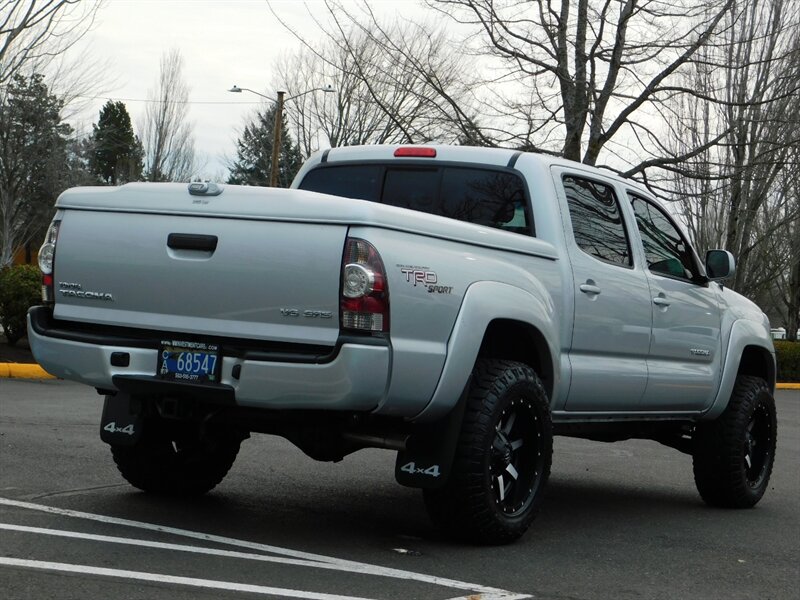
column 424, row 277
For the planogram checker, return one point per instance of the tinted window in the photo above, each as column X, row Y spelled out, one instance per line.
column 481, row 196
column 492, row 198
column 362, row 182
column 665, row 249
column 596, row 220
column 417, row 189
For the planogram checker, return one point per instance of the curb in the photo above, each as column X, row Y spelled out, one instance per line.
column 787, row 386
column 23, row 371
column 34, row 371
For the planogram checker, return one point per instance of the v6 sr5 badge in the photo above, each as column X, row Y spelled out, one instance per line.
column 424, row 277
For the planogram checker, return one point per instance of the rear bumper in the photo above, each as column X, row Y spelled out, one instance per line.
column 351, row 377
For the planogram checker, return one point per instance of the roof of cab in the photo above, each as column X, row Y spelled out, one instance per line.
column 500, row 157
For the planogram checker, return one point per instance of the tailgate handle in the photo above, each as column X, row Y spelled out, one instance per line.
column 192, row 241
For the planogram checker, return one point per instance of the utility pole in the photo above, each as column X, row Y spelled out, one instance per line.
column 276, row 141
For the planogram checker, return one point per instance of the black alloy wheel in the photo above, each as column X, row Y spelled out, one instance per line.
column 515, row 465
column 503, row 456
column 733, row 455
column 758, row 446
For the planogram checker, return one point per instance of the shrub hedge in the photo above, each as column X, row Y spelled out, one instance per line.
column 20, row 288
column 788, row 356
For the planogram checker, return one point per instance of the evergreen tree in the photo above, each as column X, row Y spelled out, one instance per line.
column 33, row 160
column 80, row 152
column 118, row 153
column 253, row 163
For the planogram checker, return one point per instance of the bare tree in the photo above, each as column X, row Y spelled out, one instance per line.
column 36, row 32
column 36, row 36
column 391, row 82
column 735, row 193
column 781, row 295
column 763, row 111
column 597, row 69
column 575, row 78
column 346, row 117
column 166, row 132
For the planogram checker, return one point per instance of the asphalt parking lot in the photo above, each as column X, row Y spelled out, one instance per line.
column 620, row 521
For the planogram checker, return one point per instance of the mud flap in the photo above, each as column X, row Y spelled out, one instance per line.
column 428, row 457
column 121, row 424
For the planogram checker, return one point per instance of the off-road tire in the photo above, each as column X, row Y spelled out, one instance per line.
column 733, row 455
column 164, row 463
column 471, row 506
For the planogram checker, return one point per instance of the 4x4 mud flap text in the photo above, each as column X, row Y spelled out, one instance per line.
column 121, row 424
column 428, row 457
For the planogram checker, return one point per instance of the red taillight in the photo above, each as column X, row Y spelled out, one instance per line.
column 364, row 304
column 47, row 257
column 415, row 151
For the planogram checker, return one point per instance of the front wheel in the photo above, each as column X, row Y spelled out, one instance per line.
column 503, row 457
column 733, row 456
column 171, row 461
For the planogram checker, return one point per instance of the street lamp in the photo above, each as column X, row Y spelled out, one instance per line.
column 276, row 141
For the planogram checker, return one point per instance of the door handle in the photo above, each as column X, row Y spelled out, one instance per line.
column 192, row 241
column 661, row 301
column 589, row 288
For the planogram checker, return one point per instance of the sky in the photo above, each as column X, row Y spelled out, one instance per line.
column 222, row 42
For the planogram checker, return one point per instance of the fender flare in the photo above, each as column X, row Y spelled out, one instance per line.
column 744, row 333
column 484, row 302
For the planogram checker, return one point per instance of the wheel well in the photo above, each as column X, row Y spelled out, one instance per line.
column 758, row 361
column 515, row 340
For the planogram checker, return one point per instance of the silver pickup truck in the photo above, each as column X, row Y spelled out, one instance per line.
column 457, row 305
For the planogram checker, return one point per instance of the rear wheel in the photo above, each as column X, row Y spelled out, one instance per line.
column 169, row 460
column 733, row 456
column 502, row 460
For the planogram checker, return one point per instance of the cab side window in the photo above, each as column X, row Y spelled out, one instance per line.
column 666, row 250
column 597, row 220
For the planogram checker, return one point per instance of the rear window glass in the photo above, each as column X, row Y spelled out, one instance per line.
column 362, row 182
column 417, row 189
column 482, row 196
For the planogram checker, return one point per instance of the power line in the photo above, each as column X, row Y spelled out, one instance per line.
column 162, row 101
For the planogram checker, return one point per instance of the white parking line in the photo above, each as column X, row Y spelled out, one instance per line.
column 191, row 581
column 166, row 546
column 303, row 558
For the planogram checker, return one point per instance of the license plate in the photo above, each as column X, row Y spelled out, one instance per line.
column 192, row 362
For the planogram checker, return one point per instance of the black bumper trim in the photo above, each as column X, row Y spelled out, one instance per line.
column 144, row 385
column 44, row 324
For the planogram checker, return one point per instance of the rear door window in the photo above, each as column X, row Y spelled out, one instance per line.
column 494, row 198
column 597, row 220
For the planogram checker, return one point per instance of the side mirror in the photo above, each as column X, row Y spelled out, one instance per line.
column 720, row 264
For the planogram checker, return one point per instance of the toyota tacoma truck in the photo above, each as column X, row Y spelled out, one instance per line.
column 457, row 305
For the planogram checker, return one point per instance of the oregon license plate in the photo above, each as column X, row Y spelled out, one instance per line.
column 192, row 362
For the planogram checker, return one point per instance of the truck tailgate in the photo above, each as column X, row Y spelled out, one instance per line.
column 231, row 277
